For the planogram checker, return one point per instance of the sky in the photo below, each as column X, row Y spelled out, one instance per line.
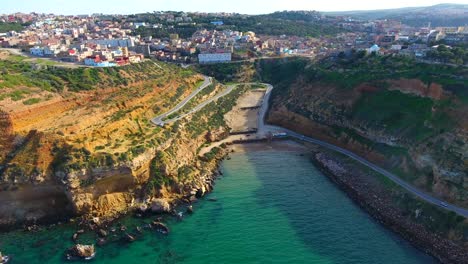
column 75, row 7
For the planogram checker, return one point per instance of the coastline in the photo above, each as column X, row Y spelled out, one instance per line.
column 377, row 202
column 374, row 200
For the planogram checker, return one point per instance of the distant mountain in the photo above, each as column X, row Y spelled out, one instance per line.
column 437, row 15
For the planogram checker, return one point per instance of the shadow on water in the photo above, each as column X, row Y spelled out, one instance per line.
column 322, row 216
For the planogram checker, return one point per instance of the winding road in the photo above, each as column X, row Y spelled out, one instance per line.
column 159, row 120
column 264, row 130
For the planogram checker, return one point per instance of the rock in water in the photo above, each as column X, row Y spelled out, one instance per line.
column 160, row 227
column 129, row 238
column 101, row 242
column 79, row 251
column 102, row 233
column 139, row 229
column 190, row 209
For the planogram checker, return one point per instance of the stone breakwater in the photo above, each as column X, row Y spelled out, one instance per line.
column 377, row 201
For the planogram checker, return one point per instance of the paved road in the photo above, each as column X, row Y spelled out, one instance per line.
column 159, row 120
column 264, row 129
column 202, row 105
column 422, row 195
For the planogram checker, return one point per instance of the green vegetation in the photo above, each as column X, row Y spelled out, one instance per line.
column 216, row 110
column 281, row 24
column 432, row 217
column 31, row 101
column 157, row 177
column 226, row 72
column 194, row 101
column 15, row 74
column 400, row 114
column 211, row 154
column 306, row 24
column 6, row 27
column 455, row 55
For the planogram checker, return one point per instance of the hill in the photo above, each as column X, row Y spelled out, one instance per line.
column 437, row 15
column 298, row 23
column 78, row 142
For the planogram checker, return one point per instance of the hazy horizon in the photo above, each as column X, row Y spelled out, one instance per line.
column 240, row 6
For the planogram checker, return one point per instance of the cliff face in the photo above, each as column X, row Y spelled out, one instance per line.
column 94, row 152
column 417, row 129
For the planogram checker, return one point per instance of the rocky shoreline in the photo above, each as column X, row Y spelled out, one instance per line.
column 377, row 201
column 156, row 206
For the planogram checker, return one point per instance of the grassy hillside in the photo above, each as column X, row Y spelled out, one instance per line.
column 7, row 27
column 438, row 15
column 410, row 114
column 287, row 23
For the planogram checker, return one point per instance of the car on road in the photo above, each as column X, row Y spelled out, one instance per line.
column 443, row 204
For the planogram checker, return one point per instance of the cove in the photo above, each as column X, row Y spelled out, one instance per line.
column 270, row 206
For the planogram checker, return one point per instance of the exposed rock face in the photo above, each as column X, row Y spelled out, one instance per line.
column 92, row 153
column 430, row 154
column 160, row 206
column 417, row 87
column 379, row 202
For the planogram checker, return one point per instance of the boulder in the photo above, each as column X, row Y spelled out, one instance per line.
column 160, row 227
column 101, row 242
column 81, row 252
column 129, row 238
column 160, row 206
column 190, row 209
column 102, row 233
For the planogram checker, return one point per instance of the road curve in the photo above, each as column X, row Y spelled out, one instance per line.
column 264, row 129
column 159, row 119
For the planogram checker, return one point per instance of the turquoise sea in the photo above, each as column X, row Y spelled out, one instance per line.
column 272, row 206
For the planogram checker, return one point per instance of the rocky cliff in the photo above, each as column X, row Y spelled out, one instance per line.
column 409, row 118
column 86, row 147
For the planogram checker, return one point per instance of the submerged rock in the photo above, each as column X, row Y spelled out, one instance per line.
column 102, row 233
column 139, row 229
column 160, row 227
column 79, row 251
column 101, row 242
column 190, row 209
column 129, row 238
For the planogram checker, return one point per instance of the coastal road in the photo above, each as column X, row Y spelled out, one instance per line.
column 264, row 129
column 159, row 120
column 202, row 105
column 415, row 191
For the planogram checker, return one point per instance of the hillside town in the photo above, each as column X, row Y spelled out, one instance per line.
column 103, row 41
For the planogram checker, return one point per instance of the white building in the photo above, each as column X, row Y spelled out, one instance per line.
column 127, row 42
column 37, row 51
column 375, row 48
column 214, row 57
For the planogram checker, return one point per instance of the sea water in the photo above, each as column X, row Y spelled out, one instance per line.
column 270, row 206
